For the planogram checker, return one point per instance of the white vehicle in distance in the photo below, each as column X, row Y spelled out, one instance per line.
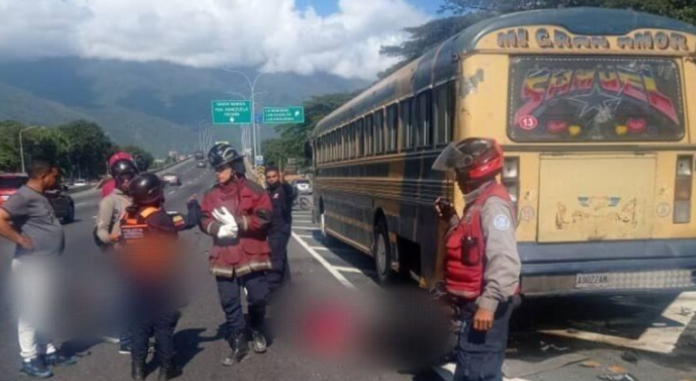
column 303, row 186
column 171, row 179
column 80, row 183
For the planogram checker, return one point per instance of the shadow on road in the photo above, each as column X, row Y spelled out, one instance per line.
column 188, row 343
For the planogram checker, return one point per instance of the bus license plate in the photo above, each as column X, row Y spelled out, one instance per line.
column 591, row 280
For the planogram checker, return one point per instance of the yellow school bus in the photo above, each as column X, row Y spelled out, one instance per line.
column 593, row 108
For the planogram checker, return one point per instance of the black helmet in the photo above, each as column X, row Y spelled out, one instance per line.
column 123, row 166
column 146, row 189
column 222, row 154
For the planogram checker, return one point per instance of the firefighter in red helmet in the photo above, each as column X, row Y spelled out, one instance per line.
column 482, row 265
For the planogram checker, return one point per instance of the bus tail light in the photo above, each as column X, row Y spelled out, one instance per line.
column 682, row 190
column 511, row 177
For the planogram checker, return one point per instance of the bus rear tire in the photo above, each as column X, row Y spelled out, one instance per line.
column 382, row 254
column 326, row 239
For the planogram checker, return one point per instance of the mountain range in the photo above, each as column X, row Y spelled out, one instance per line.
column 155, row 105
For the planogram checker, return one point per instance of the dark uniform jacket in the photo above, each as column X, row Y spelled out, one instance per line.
column 282, row 198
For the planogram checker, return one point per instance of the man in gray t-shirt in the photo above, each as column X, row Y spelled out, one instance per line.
column 28, row 220
column 33, row 216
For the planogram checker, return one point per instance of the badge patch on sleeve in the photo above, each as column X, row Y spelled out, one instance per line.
column 501, row 222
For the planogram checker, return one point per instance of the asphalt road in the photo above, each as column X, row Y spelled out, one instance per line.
column 661, row 328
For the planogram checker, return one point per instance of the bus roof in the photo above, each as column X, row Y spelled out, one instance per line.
column 437, row 65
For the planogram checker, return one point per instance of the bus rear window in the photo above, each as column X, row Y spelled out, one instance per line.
column 563, row 99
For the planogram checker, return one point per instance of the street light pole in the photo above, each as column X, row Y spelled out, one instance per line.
column 21, row 146
column 252, row 87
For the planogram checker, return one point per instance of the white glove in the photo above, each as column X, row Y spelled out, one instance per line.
column 224, row 216
column 228, row 231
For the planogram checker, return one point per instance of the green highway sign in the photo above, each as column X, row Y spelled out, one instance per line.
column 231, row 112
column 283, row 115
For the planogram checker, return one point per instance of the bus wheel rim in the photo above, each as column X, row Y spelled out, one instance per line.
column 323, row 225
column 381, row 254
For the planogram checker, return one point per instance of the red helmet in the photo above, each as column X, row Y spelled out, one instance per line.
column 120, row 156
column 475, row 158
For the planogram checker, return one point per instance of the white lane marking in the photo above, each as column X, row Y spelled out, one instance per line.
column 323, row 248
column 305, row 236
column 172, row 192
column 354, row 270
column 94, row 217
column 304, row 228
column 302, row 221
column 325, row 263
column 81, row 203
column 654, row 339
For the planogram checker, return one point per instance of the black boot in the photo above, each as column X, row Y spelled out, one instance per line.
column 258, row 341
column 168, row 371
column 239, row 347
column 138, row 370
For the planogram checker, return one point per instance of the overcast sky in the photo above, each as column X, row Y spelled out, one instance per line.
column 341, row 37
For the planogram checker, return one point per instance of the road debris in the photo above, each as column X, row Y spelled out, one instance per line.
column 630, row 356
column 617, row 369
column 545, row 347
column 591, row 364
column 617, row 377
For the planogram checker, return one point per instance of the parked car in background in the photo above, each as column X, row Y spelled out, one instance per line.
column 80, row 183
column 9, row 183
column 171, row 179
column 303, row 186
column 63, row 205
column 200, row 164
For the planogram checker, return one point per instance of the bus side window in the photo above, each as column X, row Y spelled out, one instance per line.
column 379, row 131
column 406, row 124
column 369, row 135
column 392, row 127
column 345, row 143
column 361, row 138
column 443, row 113
column 423, row 131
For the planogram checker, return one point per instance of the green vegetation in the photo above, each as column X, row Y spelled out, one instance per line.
column 81, row 148
column 464, row 13
column 293, row 139
column 155, row 105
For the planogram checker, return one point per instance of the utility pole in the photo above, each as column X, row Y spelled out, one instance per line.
column 21, row 145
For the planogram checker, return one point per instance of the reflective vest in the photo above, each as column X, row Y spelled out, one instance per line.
column 146, row 253
column 466, row 247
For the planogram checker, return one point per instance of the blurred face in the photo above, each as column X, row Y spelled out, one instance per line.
column 224, row 174
column 272, row 178
column 124, row 181
column 50, row 179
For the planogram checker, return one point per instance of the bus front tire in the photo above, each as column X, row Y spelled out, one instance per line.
column 382, row 254
column 325, row 237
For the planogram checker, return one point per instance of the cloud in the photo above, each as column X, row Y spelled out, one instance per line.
column 273, row 35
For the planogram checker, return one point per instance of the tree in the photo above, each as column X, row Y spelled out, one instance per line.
column 88, row 148
column 468, row 12
column 292, row 138
column 143, row 159
column 9, row 146
column 425, row 37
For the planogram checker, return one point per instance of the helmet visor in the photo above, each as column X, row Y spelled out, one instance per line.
column 451, row 159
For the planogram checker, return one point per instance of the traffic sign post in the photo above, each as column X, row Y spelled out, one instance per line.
column 283, row 115
column 231, row 112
